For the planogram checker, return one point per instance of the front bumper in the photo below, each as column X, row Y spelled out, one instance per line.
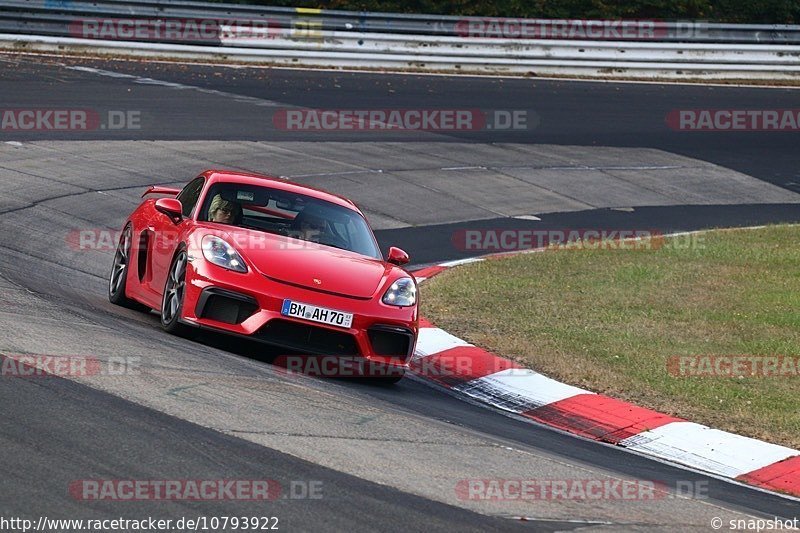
column 250, row 304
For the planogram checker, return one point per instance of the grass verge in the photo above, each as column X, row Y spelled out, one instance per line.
column 616, row 321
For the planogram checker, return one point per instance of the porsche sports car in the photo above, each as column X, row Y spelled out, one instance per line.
column 278, row 262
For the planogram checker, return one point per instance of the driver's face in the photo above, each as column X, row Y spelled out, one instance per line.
column 223, row 215
column 311, row 228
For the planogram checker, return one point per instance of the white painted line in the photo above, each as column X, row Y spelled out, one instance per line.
column 708, row 449
column 586, row 167
column 435, row 340
column 459, row 262
column 107, row 73
column 450, row 264
column 178, row 86
column 527, row 217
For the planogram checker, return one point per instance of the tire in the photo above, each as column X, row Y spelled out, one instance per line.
column 118, row 279
column 174, row 295
column 386, row 381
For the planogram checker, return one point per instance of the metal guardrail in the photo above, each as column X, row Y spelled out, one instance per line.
column 297, row 36
column 672, row 31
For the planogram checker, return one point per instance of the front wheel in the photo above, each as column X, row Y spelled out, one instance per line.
column 387, row 380
column 174, row 294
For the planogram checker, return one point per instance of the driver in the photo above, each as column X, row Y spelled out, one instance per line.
column 309, row 225
column 224, row 211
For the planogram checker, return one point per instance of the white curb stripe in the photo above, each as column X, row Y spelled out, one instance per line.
column 686, row 443
column 518, row 389
column 708, row 449
column 435, row 340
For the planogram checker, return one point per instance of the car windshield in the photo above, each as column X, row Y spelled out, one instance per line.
column 289, row 214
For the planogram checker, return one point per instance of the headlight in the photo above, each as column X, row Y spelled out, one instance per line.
column 219, row 252
column 403, row 293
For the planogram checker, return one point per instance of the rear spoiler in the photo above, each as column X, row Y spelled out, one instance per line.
column 155, row 189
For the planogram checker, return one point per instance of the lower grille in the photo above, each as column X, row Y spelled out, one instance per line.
column 391, row 341
column 307, row 338
column 225, row 306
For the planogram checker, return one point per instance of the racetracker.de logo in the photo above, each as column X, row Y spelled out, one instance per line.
column 442, row 366
column 508, row 240
column 175, row 489
column 50, row 119
column 734, row 119
column 734, row 366
column 560, row 489
column 505, row 28
column 37, row 365
column 335, row 366
column 252, row 490
column 105, row 240
column 177, row 30
column 374, row 120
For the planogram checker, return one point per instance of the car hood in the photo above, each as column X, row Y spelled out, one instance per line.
column 316, row 267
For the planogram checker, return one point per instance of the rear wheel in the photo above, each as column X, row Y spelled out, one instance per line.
column 118, row 279
column 174, row 294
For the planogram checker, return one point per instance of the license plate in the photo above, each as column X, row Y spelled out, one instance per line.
column 313, row 313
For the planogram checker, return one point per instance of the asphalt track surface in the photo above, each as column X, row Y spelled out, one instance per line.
column 183, row 417
column 560, row 112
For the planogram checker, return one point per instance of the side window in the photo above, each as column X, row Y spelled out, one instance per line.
column 190, row 194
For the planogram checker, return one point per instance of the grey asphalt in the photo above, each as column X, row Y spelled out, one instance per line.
column 561, row 112
column 202, row 409
column 58, row 432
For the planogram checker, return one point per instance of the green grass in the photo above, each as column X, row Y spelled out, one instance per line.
column 609, row 320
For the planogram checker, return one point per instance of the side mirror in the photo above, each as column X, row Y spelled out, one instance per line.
column 170, row 207
column 397, row 256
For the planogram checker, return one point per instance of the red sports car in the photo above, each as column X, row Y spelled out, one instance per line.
column 275, row 261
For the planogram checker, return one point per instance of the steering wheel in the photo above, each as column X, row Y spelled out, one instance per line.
column 331, row 239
